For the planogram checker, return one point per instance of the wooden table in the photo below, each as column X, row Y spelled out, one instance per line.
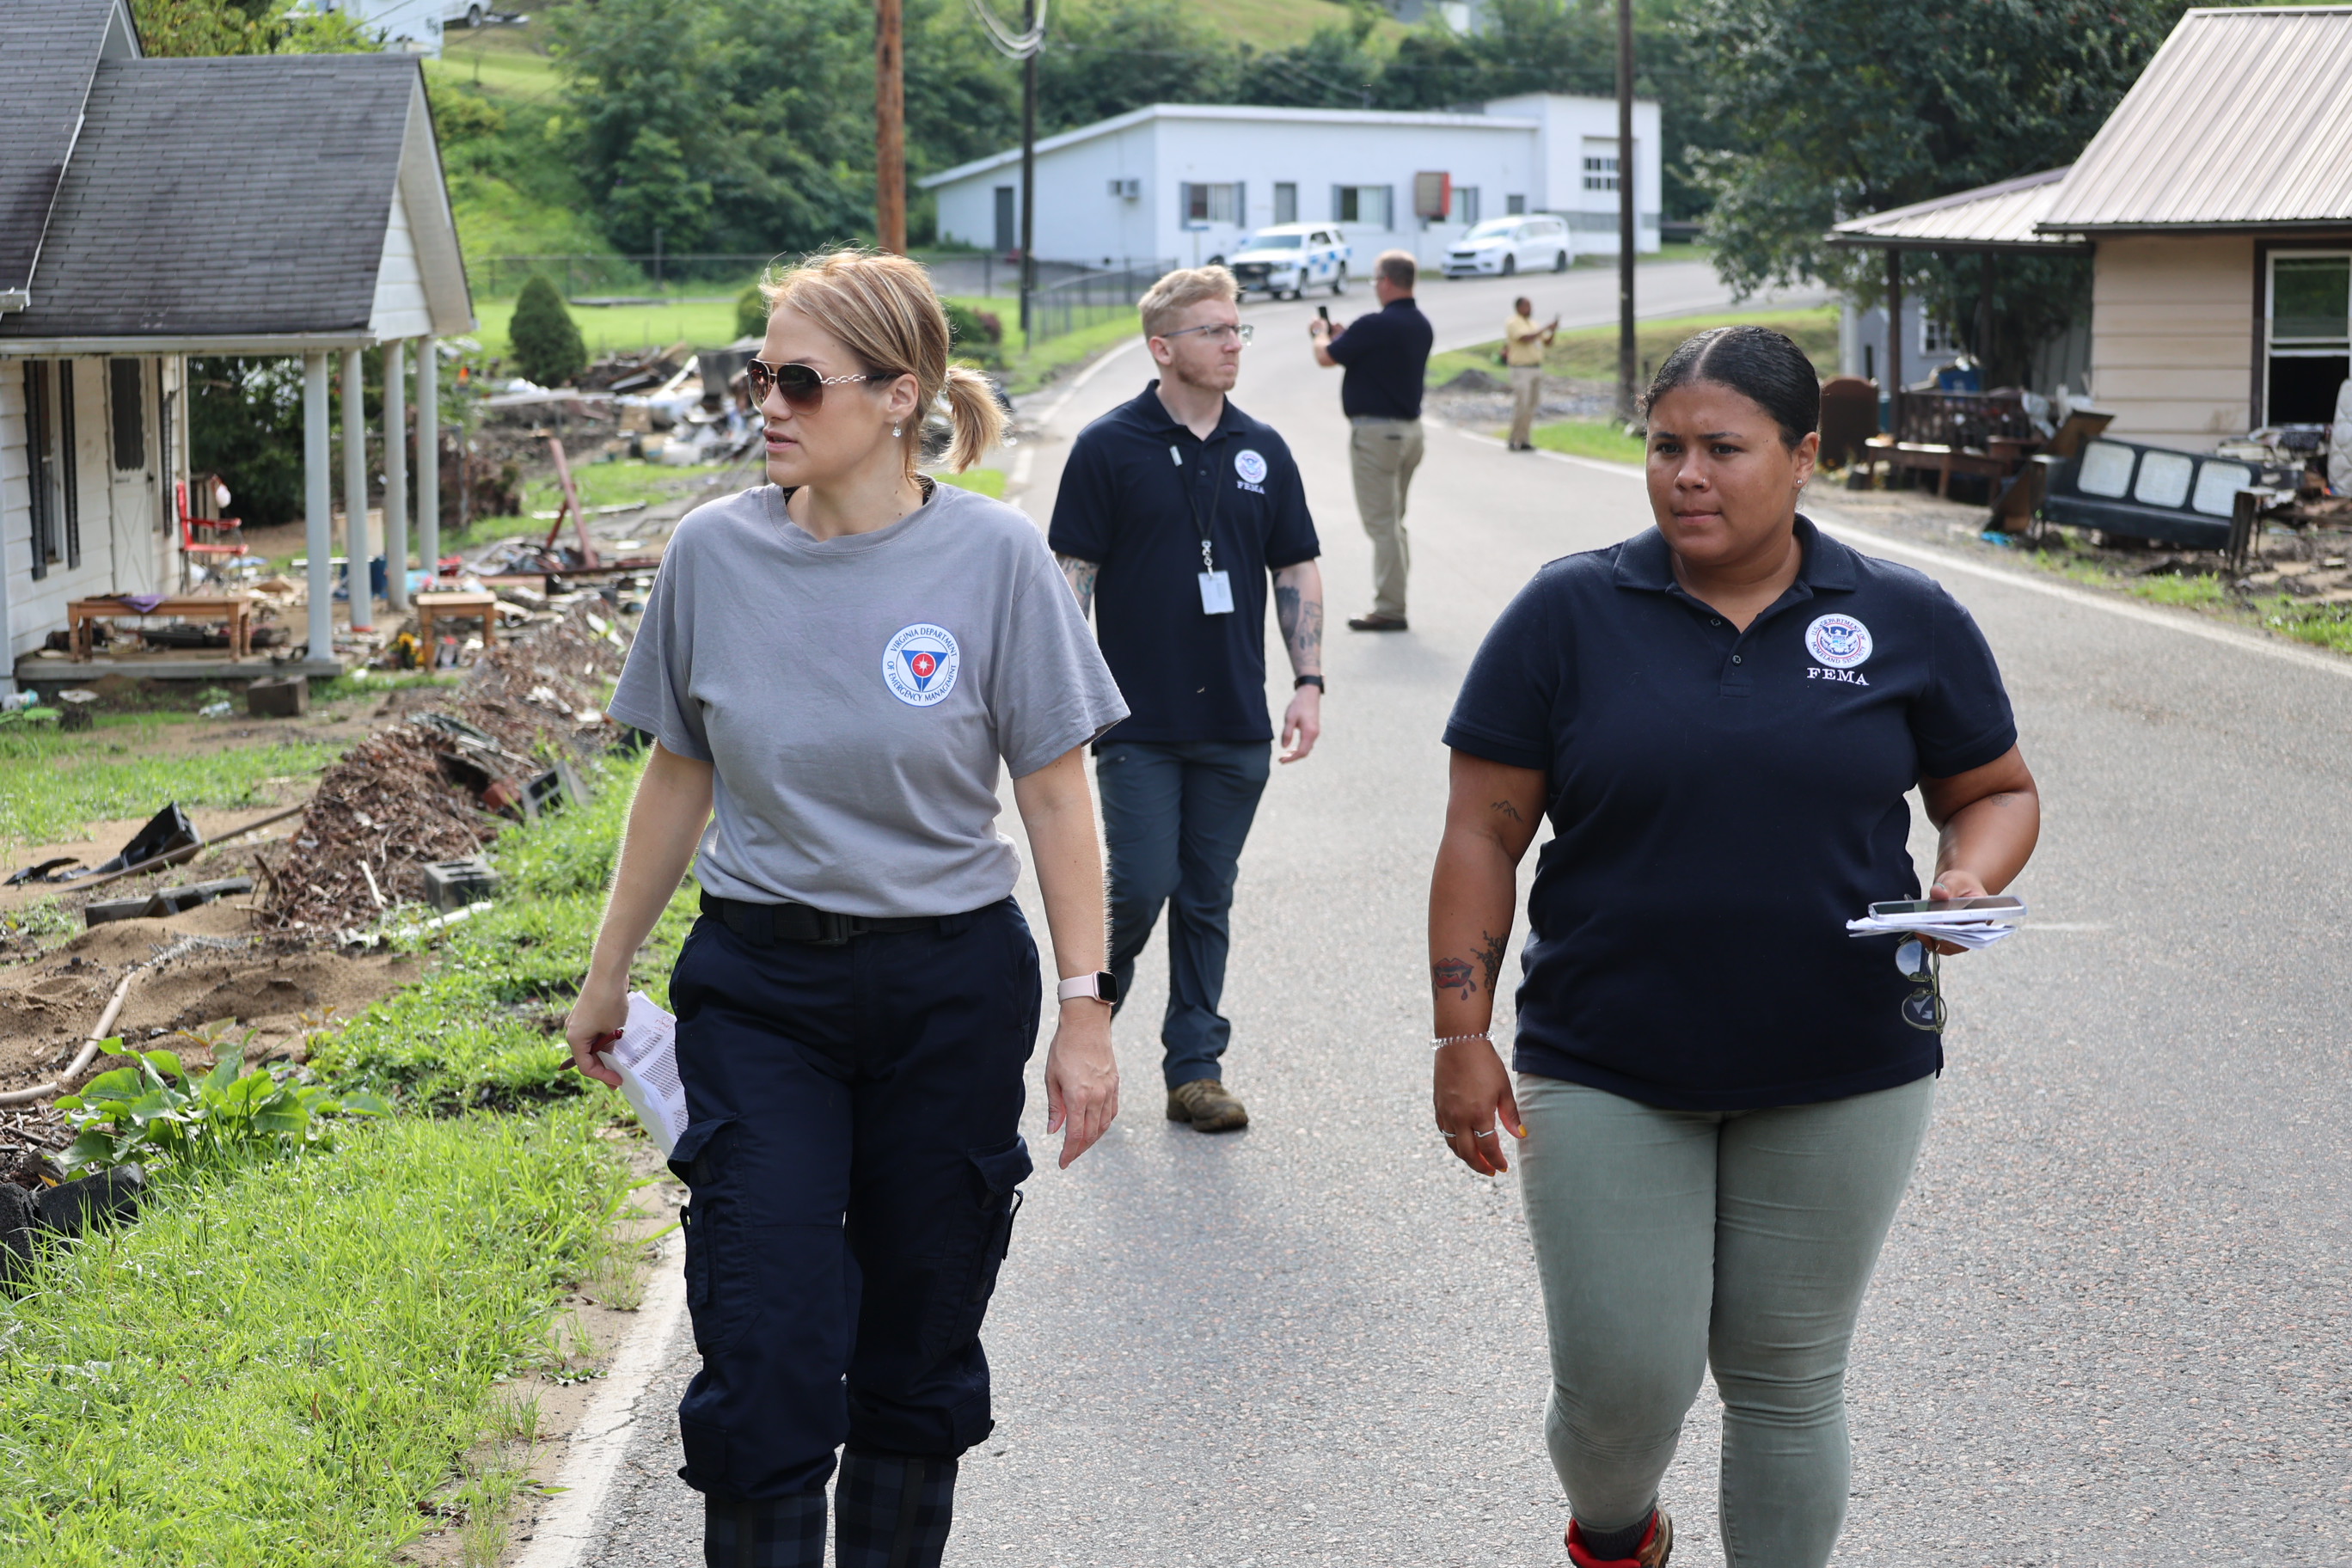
column 236, row 609
column 460, row 605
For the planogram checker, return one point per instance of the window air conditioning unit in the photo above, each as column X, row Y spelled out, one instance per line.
column 1126, row 190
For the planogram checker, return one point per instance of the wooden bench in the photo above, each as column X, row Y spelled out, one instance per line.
column 457, row 605
column 235, row 609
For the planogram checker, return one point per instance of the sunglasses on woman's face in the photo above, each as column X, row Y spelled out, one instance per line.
column 802, row 386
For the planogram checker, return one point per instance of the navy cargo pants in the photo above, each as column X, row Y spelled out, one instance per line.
column 852, row 1150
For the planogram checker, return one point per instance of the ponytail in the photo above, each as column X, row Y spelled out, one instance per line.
column 977, row 418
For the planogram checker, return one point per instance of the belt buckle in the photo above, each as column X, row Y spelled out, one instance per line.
column 833, row 929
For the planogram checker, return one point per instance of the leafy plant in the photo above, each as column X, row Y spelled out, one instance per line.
column 153, row 1113
column 750, row 312
column 547, row 343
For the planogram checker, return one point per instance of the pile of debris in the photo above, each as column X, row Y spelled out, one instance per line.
column 440, row 785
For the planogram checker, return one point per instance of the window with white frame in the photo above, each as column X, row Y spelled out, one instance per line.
column 1212, row 203
column 2308, row 335
column 1939, row 337
column 1600, row 172
column 1369, row 205
column 1513, row 205
column 1465, row 204
column 1285, row 202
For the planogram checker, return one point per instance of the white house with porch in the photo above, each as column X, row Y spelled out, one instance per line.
column 152, row 209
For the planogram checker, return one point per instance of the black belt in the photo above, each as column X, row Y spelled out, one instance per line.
column 769, row 924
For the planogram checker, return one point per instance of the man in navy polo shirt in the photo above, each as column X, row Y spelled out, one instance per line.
column 1386, row 352
column 1174, row 511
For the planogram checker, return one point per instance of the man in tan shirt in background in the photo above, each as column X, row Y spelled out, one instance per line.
column 1523, row 351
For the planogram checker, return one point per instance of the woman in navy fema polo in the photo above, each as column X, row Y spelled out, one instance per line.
column 1719, row 1093
column 832, row 666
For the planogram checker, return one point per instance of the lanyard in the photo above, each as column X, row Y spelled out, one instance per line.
column 1192, row 504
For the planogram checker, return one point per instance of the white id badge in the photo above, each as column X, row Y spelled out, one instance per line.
column 1216, row 594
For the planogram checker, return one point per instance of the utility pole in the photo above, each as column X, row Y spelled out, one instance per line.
column 1028, row 172
column 889, row 128
column 1626, row 353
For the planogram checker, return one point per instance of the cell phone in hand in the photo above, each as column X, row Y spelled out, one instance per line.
column 1324, row 312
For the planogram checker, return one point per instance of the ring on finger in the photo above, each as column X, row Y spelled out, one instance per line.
column 1488, row 1133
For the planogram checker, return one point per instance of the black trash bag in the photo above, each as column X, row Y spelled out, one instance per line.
column 167, row 830
column 108, row 1197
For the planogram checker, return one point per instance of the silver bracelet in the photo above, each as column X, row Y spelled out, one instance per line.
column 1445, row 1040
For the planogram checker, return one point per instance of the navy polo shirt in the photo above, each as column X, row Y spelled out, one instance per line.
column 1126, row 506
column 1700, row 778
column 1386, row 352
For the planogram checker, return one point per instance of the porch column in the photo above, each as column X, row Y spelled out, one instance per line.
column 428, row 457
column 318, row 507
column 356, row 544
column 395, row 475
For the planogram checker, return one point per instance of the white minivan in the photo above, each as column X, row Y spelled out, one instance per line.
column 1289, row 259
column 1531, row 242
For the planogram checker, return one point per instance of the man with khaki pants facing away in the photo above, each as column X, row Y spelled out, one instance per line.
column 1523, row 350
column 1385, row 354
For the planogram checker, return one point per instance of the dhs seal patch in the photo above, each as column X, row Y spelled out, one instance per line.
column 919, row 665
column 1839, row 641
column 1250, row 467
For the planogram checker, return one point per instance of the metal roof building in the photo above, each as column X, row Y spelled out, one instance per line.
column 2000, row 216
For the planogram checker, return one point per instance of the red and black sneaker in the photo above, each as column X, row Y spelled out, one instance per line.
column 1657, row 1546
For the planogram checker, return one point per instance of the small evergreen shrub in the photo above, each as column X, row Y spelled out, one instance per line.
column 547, row 343
column 751, row 313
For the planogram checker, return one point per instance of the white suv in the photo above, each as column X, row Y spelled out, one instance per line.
column 1502, row 246
column 1289, row 259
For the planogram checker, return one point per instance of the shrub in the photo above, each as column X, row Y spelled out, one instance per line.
column 750, row 312
column 245, row 424
column 974, row 334
column 547, row 343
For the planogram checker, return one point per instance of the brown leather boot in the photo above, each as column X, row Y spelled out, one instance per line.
column 1206, row 1104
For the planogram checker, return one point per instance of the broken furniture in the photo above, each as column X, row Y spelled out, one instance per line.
column 235, row 609
column 457, row 605
column 166, row 902
column 453, row 884
column 2132, row 491
column 1948, row 433
column 202, row 535
column 1849, row 419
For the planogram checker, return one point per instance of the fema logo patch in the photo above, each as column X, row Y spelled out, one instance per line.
column 919, row 665
column 1249, row 465
column 1839, row 641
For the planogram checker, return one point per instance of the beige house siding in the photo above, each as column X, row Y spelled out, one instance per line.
column 2173, row 334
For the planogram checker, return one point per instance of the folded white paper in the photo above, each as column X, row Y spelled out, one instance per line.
column 646, row 1055
column 1969, row 929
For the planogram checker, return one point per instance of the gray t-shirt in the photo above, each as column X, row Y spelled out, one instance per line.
column 855, row 694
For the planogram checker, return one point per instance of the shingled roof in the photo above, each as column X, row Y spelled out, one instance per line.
column 244, row 197
column 47, row 54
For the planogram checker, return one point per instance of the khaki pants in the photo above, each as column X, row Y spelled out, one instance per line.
column 1527, row 391
column 1385, row 452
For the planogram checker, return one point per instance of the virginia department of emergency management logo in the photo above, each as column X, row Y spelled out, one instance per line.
column 919, row 665
column 1839, row 641
column 1250, row 467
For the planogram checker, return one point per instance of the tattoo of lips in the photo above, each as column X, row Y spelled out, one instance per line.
column 1454, row 973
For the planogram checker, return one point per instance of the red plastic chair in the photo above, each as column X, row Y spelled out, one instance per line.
column 190, row 544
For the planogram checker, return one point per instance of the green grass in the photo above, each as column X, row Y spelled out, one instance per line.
column 1602, row 439
column 2321, row 625
column 1590, row 354
column 600, row 484
column 52, row 785
column 701, row 323
column 500, row 63
column 1028, row 371
column 279, row 1367
column 1279, row 24
column 989, row 483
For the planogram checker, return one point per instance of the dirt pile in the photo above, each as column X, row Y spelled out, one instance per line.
column 429, row 788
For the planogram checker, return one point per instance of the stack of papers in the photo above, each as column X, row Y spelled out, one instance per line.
column 1970, row 929
column 646, row 1055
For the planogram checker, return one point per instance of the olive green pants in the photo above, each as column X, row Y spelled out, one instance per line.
column 1671, row 1240
column 1384, row 453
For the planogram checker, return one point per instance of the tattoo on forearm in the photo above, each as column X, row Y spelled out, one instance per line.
column 1301, row 620
column 1286, row 610
column 1507, row 809
column 1453, row 974
column 1490, row 957
column 1081, row 575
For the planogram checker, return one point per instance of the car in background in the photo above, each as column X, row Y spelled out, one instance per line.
column 1286, row 259
column 1530, row 242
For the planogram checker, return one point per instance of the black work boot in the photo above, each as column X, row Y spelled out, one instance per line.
column 774, row 1533
column 892, row 1511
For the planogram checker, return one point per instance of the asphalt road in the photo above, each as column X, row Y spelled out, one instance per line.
column 2112, row 1327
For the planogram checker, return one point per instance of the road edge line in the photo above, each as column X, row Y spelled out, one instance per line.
column 565, row 1532
column 2185, row 621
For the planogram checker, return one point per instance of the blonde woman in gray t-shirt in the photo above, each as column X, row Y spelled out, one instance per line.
column 832, row 666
